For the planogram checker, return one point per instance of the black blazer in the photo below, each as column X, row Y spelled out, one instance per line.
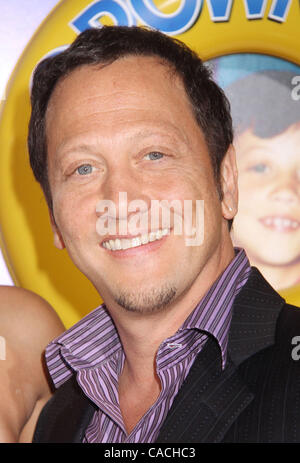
column 255, row 399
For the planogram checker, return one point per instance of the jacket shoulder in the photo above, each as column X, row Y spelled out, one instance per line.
column 273, row 376
column 65, row 416
column 288, row 324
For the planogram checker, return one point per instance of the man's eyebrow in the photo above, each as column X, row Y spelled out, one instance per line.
column 73, row 147
column 84, row 147
column 159, row 131
column 141, row 133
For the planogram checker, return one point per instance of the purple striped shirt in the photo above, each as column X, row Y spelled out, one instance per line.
column 92, row 349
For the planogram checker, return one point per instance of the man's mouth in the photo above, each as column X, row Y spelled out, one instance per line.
column 120, row 244
column 281, row 224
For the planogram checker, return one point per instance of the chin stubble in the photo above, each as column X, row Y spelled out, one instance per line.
column 146, row 302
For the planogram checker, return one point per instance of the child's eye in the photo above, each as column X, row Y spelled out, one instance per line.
column 259, row 168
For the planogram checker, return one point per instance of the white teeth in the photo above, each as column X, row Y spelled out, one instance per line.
column 282, row 223
column 118, row 244
column 125, row 244
column 278, row 222
column 152, row 236
column 144, row 239
column 158, row 234
column 135, row 242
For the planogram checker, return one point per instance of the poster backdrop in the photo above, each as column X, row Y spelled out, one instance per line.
column 253, row 47
column 19, row 20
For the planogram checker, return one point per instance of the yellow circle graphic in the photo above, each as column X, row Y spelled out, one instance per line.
column 26, row 237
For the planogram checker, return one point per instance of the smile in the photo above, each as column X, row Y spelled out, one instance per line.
column 280, row 223
column 120, row 244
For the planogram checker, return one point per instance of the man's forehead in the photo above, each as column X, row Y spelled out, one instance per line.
column 118, row 70
column 129, row 80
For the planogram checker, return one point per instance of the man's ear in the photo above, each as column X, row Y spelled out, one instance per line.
column 229, row 183
column 57, row 238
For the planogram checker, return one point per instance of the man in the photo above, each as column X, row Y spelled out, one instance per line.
column 27, row 324
column 267, row 141
column 183, row 349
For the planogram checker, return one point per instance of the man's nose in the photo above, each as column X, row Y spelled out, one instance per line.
column 125, row 190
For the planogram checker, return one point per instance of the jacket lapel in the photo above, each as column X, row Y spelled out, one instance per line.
column 210, row 400
column 255, row 314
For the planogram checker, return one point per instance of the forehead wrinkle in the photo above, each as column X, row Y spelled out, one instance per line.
column 63, row 91
column 75, row 144
column 96, row 68
column 168, row 71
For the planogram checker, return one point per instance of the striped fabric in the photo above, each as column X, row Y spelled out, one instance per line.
column 92, row 349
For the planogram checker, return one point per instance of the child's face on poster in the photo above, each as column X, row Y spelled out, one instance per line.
column 268, row 221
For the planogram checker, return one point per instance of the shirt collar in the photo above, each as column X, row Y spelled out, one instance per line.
column 214, row 312
column 94, row 339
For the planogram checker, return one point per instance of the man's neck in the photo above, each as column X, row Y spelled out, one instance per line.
column 141, row 334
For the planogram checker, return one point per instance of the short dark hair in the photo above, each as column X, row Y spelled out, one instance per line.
column 104, row 46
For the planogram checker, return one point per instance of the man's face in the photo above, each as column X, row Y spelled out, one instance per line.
column 268, row 221
column 129, row 128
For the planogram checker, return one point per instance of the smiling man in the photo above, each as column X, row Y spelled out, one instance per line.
column 178, row 351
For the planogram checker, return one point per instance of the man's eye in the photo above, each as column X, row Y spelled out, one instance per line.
column 154, row 156
column 85, row 169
